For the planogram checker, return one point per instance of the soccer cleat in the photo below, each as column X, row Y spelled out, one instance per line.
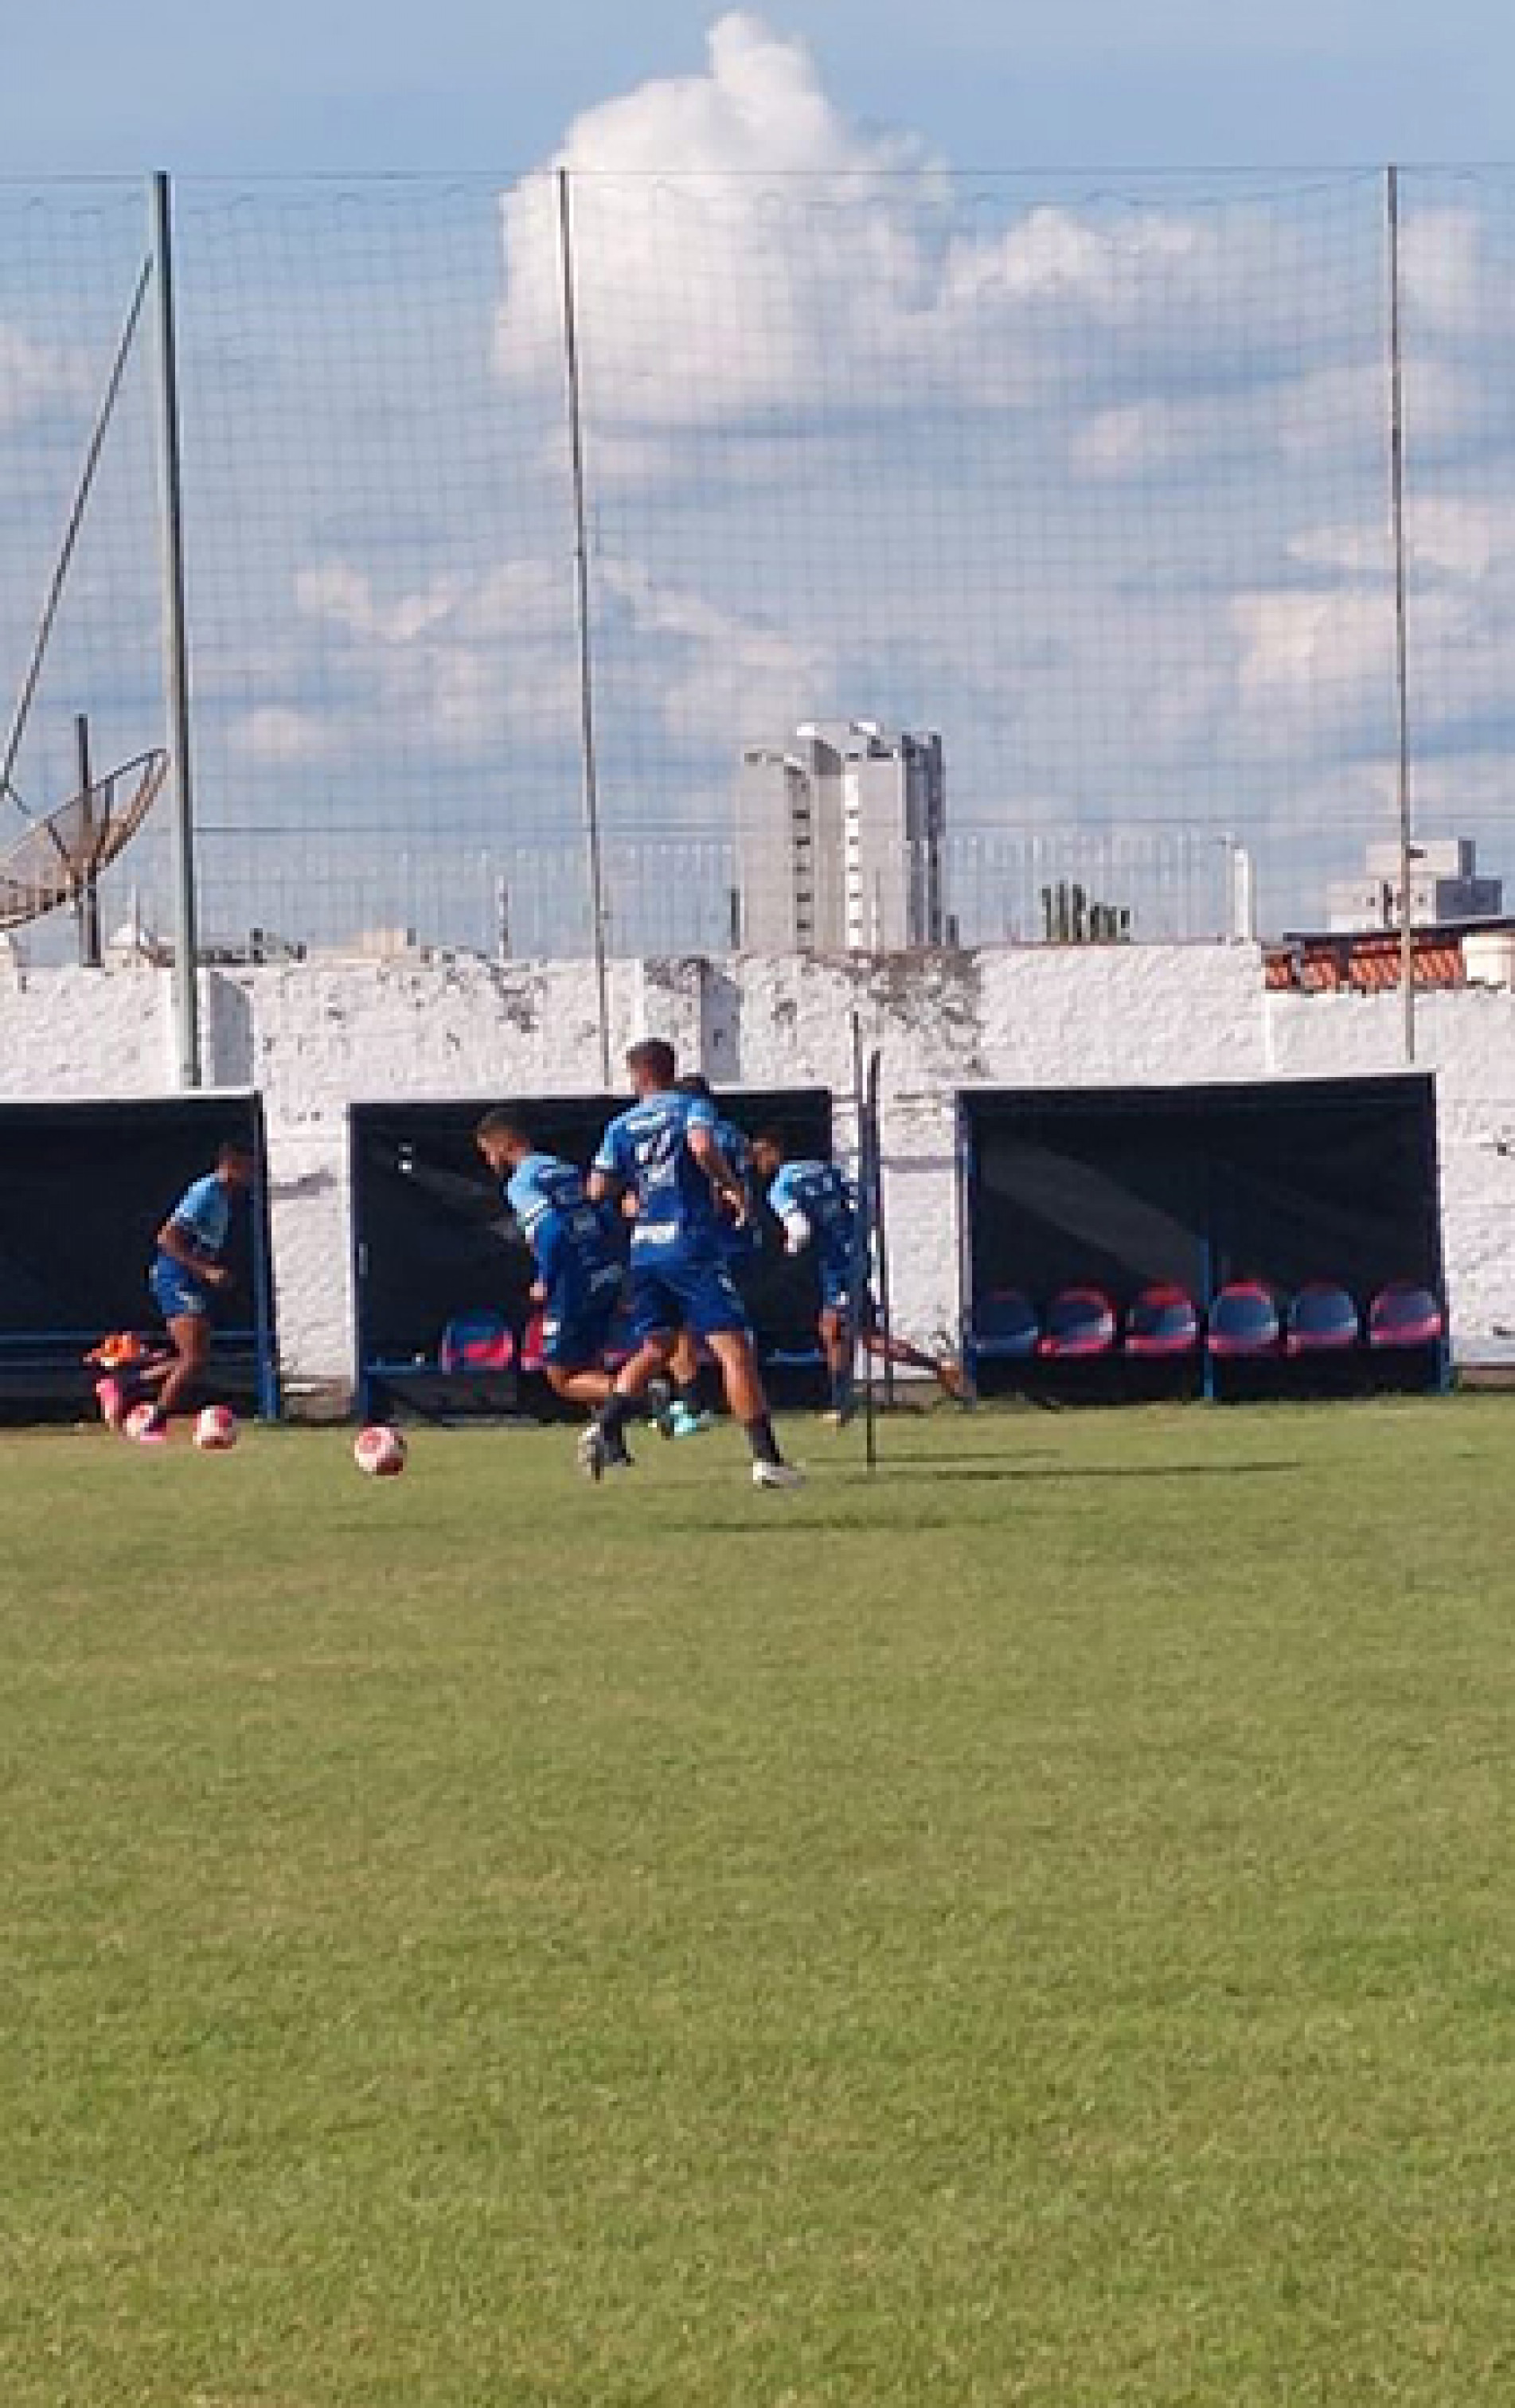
column 777, row 1475
column 593, row 1452
column 683, row 1424
column 840, row 1417
column 111, row 1399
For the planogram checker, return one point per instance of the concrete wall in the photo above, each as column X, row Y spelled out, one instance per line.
column 314, row 1040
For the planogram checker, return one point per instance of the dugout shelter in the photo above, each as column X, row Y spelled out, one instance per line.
column 1249, row 1239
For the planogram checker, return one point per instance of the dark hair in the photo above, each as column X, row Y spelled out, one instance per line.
column 501, row 1123
column 774, row 1137
column 695, row 1083
column 656, row 1057
column 235, row 1149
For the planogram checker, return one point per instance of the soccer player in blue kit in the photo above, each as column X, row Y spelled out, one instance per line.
column 741, row 1243
column 579, row 1250
column 665, row 1153
column 186, row 1270
column 816, row 1207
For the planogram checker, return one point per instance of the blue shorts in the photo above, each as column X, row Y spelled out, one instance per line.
column 671, row 1291
column 835, row 1272
column 577, row 1320
column 177, row 1293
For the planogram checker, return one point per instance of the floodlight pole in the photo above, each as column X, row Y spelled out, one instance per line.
column 87, row 900
column 589, row 767
column 1397, row 488
column 175, row 634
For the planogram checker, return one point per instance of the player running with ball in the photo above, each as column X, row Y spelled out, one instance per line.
column 665, row 1153
column 187, row 1270
column 816, row 1207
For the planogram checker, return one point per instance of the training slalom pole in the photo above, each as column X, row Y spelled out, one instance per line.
column 863, row 1247
column 880, row 1225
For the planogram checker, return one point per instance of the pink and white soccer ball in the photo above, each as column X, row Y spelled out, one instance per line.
column 379, row 1451
column 142, row 1423
column 214, row 1430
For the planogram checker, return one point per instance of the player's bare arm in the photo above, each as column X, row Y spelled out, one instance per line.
column 707, row 1152
column 178, row 1242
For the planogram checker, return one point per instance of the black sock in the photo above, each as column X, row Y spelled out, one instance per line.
column 687, row 1392
column 760, row 1438
column 616, row 1412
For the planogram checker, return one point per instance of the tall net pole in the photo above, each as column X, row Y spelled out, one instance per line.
column 1396, row 478
column 589, row 770
column 175, row 636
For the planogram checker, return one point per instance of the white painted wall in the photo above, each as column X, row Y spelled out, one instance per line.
column 314, row 1040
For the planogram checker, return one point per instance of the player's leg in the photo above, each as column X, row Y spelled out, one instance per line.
column 944, row 1369
column 714, row 1312
column 688, row 1418
column 837, row 1346
column 836, row 1331
column 186, row 1315
column 190, row 1334
column 574, row 1328
column 588, row 1386
column 654, row 1320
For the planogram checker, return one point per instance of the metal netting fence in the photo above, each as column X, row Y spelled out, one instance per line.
column 1092, row 478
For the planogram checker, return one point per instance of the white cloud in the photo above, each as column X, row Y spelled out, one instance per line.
column 37, row 376
column 741, row 244
column 275, row 735
column 1444, row 275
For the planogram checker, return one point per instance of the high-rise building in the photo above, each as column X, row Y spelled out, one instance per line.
column 839, row 840
column 1444, row 885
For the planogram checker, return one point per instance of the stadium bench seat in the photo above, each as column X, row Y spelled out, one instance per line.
column 1007, row 1328
column 1403, row 1314
column 479, row 1343
column 1081, row 1322
column 1322, row 1319
column 1243, row 1321
column 1163, row 1324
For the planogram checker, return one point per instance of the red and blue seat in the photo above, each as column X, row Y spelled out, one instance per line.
column 1322, row 1319
column 477, row 1344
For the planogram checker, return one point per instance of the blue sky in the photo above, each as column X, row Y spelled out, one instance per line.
column 1085, row 468
column 295, row 84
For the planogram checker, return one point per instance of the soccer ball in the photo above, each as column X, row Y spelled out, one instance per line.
column 215, row 1430
column 379, row 1451
column 139, row 1423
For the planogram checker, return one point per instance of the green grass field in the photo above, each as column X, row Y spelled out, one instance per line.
column 1037, row 1929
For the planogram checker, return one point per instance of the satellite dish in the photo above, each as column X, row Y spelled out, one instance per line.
column 60, row 859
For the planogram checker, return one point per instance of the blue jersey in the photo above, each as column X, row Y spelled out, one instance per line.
column 739, row 1239
column 648, row 1151
column 205, row 1213
column 567, row 1233
column 204, row 1210
column 818, row 1191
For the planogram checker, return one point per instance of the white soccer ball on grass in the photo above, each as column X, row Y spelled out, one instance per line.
column 379, row 1451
